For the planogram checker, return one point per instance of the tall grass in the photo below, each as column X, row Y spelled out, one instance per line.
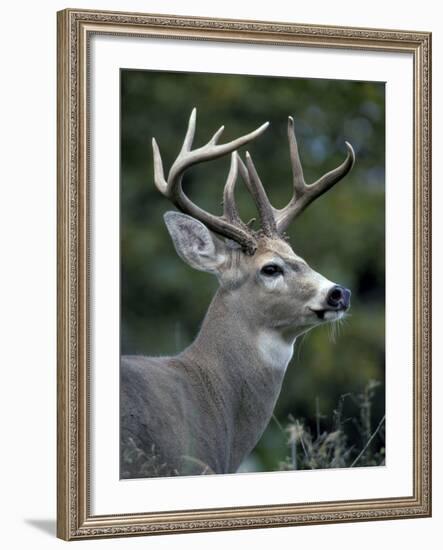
column 322, row 448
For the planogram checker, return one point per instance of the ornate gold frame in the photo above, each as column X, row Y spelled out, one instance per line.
column 75, row 28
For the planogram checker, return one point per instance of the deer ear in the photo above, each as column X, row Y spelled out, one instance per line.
column 194, row 243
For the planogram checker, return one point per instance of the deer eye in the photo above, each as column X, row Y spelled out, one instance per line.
column 271, row 270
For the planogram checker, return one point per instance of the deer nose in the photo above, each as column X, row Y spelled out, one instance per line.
column 339, row 296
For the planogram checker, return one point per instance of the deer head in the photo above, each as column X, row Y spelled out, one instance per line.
column 269, row 285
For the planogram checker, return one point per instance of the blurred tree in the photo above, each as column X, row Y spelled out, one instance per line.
column 342, row 236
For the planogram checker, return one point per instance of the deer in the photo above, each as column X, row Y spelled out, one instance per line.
column 204, row 410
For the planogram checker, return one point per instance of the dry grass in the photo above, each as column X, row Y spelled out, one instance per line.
column 145, row 464
column 331, row 449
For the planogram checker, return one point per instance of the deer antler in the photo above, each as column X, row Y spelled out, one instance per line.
column 304, row 194
column 276, row 221
column 229, row 224
column 255, row 187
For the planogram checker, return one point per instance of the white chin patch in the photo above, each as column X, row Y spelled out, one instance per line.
column 333, row 315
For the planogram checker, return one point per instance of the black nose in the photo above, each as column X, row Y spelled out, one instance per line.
column 338, row 297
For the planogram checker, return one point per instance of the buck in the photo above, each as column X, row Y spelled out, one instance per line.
column 204, row 410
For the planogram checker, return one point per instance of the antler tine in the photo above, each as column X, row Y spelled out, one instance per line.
column 172, row 187
column 230, row 211
column 256, row 189
column 190, row 132
column 297, row 170
column 304, row 194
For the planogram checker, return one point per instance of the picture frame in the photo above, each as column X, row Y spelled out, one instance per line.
column 77, row 252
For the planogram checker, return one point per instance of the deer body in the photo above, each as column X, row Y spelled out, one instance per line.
column 204, row 410
column 211, row 403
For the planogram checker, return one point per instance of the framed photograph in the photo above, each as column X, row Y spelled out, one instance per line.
column 243, row 274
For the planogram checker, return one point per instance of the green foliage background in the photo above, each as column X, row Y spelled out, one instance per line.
column 342, row 235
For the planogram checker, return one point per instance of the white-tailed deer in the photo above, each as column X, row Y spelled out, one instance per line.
column 204, row 410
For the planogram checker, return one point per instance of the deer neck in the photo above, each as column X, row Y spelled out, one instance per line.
column 232, row 343
column 245, row 366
